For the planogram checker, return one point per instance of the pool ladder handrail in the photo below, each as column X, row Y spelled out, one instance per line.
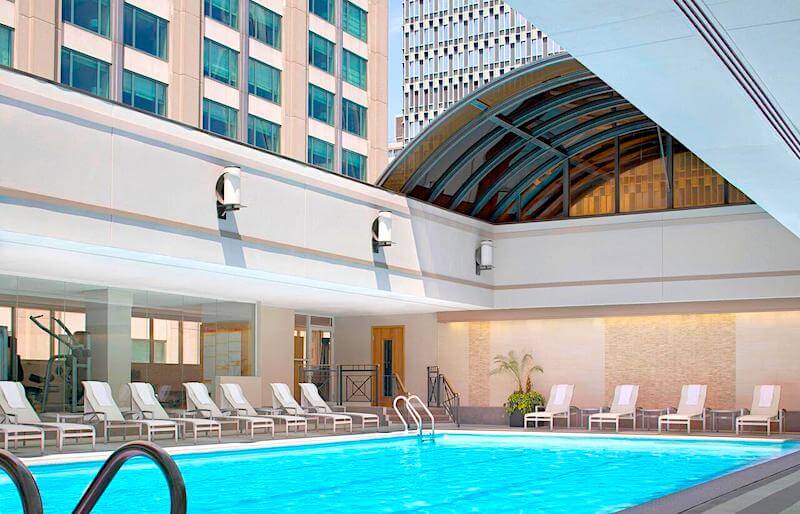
column 19, row 473
column 177, row 488
column 415, row 415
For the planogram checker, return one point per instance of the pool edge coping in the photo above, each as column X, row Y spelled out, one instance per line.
column 99, row 456
column 705, row 493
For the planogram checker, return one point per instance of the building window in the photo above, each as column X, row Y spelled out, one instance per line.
column 83, row 72
column 320, row 52
column 219, row 119
column 354, row 165
column 144, row 93
column 265, row 25
column 324, row 9
column 354, row 20
column 224, row 11
column 263, row 134
column 320, row 104
column 320, row 153
column 6, row 46
column 354, row 118
column 94, row 15
column 145, row 31
column 264, row 81
column 220, row 63
column 354, row 69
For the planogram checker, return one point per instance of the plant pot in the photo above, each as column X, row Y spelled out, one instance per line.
column 516, row 419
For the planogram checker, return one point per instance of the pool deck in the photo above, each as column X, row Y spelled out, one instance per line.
column 773, row 486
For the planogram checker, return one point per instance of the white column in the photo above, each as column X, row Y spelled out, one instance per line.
column 108, row 321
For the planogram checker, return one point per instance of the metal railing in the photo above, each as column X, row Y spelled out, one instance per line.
column 19, row 473
column 442, row 394
column 323, row 377
column 415, row 415
column 32, row 499
column 177, row 489
column 357, row 383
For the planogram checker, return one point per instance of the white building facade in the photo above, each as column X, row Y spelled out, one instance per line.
column 452, row 47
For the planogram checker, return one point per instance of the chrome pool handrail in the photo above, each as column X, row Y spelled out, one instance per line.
column 427, row 411
column 411, row 412
column 177, row 488
column 23, row 479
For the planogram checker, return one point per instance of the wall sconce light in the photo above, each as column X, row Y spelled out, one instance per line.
column 484, row 256
column 229, row 191
column 382, row 231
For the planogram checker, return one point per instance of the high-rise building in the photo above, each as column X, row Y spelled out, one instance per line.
column 303, row 78
column 396, row 144
column 452, row 47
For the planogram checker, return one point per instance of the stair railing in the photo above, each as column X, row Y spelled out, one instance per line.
column 177, row 488
column 28, row 491
column 442, row 394
column 427, row 411
column 412, row 412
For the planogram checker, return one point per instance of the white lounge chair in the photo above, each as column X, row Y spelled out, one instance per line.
column 692, row 407
column 233, row 398
column 313, row 401
column 98, row 402
column 558, row 406
column 622, row 407
column 146, row 405
column 765, row 410
column 199, row 402
column 282, row 398
column 18, row 410
column 16, row 433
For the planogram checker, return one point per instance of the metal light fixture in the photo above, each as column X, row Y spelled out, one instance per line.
column 484, row 256
column 229, row 192
column 382, row 231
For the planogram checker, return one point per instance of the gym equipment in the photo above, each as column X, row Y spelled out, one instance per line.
column 73, row 366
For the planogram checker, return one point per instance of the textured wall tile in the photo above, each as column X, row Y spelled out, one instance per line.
column 479, row 362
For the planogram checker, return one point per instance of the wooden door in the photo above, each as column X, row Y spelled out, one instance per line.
column 388, row 353
column 299, row 362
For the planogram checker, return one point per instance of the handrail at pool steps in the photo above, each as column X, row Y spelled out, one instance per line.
column 177, row 488
column 442, row 394
column 22, row 478
column 427, row 411
column 412, row 411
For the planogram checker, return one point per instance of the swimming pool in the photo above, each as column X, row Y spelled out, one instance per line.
column 452, row 473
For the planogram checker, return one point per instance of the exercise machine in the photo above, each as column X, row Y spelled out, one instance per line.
column 9, row 368
column 67, row 368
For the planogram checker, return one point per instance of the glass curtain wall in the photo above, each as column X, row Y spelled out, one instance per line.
column 119, row 336
column 313, row 353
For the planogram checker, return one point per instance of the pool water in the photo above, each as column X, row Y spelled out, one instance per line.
column 451, row 473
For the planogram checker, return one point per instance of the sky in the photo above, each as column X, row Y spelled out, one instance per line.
column 395, row 62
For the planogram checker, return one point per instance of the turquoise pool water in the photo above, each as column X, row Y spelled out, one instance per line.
column 452, row 473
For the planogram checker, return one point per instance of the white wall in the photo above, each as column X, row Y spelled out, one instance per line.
column 354, row 336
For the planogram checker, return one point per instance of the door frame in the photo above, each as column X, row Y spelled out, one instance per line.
column 377, row 360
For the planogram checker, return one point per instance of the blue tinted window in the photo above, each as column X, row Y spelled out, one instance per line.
column 320, row 104
column 354, row 118
column 219, row 119
column 144, row 93
column 145, row 31
column 354, row 164
column 83, row 72
column 265, row 25
column 354, row 20
column 320, row 52
column 6, row 46
column 224, row 11
column 264, row 81
column 354, row 69
column 263, row 134
column 94, row 15
column 220, row 63
column 320, row 153
column 324, row 9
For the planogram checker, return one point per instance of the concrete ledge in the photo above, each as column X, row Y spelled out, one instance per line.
column 694, row 498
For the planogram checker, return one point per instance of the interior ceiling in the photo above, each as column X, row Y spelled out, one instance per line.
column 719, row 75
column 500, row 151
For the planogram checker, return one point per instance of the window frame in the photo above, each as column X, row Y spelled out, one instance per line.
column 251, row 25
column 362, row 111
column 252, row 65
column 206, row 126
column 347, row 58
column 232, row 12
column 329, row 45
column 363, row 172
column 331, row 9
column 10, row 35
column 251, row 133
column 330, row 106
column 233, row 57
column 133, row 76
column 100, row 64
column 363, row 20
column 159, row 23
column 68, row 9
column 329, row 151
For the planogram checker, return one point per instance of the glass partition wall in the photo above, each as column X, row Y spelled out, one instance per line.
column 60, row 333
column 313, row 353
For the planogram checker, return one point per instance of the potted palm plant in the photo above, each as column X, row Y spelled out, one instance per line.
column 525, row 398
